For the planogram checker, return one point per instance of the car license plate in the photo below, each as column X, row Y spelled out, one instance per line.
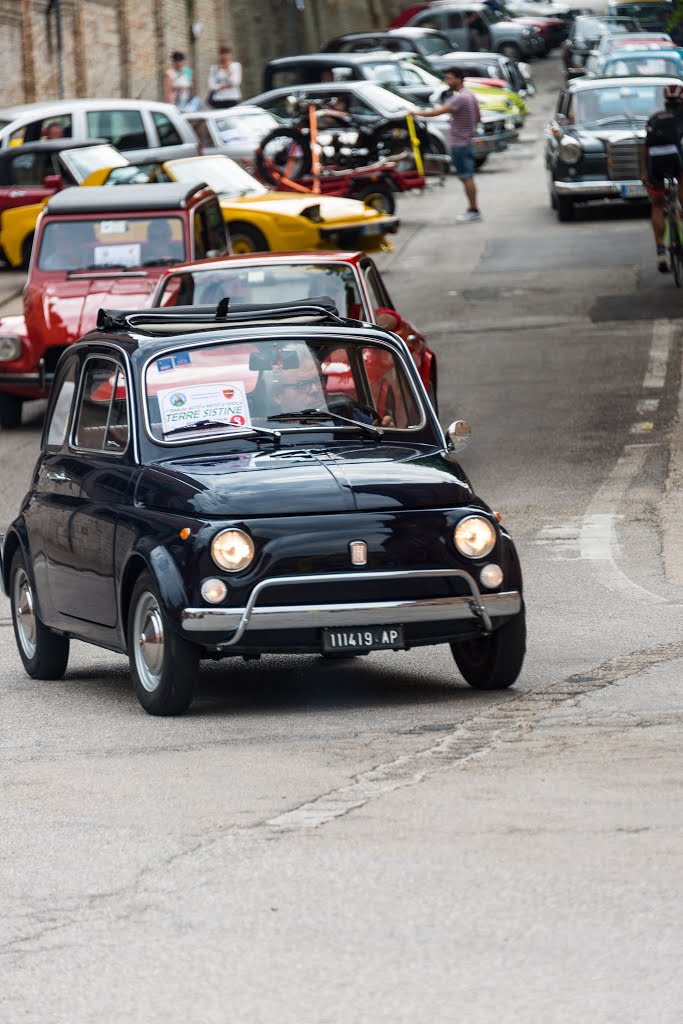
column 634, row 191
column 375, row 639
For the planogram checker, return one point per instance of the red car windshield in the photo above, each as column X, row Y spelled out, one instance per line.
column 118, row 243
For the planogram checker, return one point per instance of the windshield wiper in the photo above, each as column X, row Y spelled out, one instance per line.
column 207, row 424
column 163, row 261
column 326, row 414
column 100, row 266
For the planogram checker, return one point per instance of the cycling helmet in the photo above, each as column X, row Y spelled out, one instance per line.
column 673, row 93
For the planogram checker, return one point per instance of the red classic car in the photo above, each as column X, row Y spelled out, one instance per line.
column 97, row 247
column 350, row 279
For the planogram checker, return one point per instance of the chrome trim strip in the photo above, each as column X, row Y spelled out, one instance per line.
column 597, row 188
column 195, row 620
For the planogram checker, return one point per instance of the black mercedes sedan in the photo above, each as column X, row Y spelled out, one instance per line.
column 593, row 144
column 216, row 483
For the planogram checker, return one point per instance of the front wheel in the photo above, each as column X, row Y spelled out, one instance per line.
column 164, row 666
column 564, row 208
column 493, row 662
column 10, row 411
column 44, row 654
column 510, row 50
column 378, row 196
column 245, row 239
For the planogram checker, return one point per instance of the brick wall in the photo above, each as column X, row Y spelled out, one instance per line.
column 121, row 47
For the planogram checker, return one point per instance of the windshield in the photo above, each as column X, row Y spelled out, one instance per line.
column 433, row 45
column 244, row 127
column 82, row 162
column 117, row 243
column 386, row 101
column 296, row 385
column 274, row 283
column 620, row 101
column 220, row 173
column 648, row 65
column 648, row 15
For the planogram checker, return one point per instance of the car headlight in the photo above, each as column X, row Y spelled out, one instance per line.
column 509, row 124
column 480, row 129
column 233, row 550
column 474, row 537
column 10, row 347
column 526, row 33
column 570, row 150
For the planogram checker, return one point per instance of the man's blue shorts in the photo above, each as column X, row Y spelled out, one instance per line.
column 463, row 161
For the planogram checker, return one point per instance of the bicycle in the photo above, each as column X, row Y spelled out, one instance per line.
column 673, row 229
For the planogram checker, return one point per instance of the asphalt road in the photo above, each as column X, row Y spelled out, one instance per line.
column 326, row 843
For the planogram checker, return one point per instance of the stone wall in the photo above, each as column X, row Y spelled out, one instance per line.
column 121, row 47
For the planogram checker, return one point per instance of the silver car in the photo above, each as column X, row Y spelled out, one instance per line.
column 236, row 131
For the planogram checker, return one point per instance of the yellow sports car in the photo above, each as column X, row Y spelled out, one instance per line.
column 259, row 220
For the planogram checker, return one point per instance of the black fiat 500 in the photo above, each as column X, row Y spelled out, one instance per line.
column 217, row 482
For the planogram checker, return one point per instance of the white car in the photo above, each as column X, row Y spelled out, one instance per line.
column 137, row 128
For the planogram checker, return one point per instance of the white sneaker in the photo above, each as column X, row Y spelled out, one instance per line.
column 465, row 218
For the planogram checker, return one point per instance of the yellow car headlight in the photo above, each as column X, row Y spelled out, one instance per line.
column 474, row 537
column 233, row 550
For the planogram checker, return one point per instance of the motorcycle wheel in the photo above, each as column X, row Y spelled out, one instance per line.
column 286, row 153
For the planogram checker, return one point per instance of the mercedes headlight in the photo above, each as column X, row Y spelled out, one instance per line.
column 474, row 537
column 570, row 150
column 10, row 347
column 233, row 550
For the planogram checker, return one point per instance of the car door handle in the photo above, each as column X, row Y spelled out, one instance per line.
column 60, row 478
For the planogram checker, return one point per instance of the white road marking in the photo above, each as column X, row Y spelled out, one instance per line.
column 662, row 337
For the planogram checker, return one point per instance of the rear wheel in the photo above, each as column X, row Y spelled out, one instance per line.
column 10, row 411
column 44, row 654
column 510, row 50
column 285, row 152
column 493, row 662
column 378, row 196
column 164, row 666
column 244, row 239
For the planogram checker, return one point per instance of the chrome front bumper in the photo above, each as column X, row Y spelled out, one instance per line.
column 601, row 189
column 372, row 613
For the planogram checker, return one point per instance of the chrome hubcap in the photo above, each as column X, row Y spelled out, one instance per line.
column 24, row 612
column 148, row 631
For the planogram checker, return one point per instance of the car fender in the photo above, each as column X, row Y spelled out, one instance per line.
column 158, row 561
column 16, row 225
column 15, row 539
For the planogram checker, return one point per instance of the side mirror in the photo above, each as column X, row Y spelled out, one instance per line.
column 459, row 435
column 53, row 181
column 389, row 319
column 562, row 120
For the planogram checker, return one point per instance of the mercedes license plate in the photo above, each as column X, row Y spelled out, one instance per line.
column 375, row 639
column 634, row 191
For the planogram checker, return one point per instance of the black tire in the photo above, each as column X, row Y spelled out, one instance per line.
column 44, row 654
column 378, row 196
column 164, row 669
column 510, row 50
column 565, row 208
column 26, row 249
column 493, row 662
column 276, row 150
column 245, row 239
column 10, row 411
column 479, row 161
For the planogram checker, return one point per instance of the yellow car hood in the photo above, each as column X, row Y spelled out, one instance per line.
column 333, row 209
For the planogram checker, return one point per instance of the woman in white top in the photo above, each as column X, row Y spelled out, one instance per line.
column 225, row 79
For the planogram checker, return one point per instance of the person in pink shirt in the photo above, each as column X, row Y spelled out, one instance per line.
column 465, row 116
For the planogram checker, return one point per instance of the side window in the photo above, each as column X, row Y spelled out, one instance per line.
column 28, row 170
column 356, row 104
column 455, row 19
column 167, row 132
column 378, row 294
column 210, row 238
column 123, row 128
column 431, row 19
column 59, row 418
column 102, row 416
column 203, row 131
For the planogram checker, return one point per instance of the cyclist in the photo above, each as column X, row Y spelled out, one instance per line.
column 661, row 158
